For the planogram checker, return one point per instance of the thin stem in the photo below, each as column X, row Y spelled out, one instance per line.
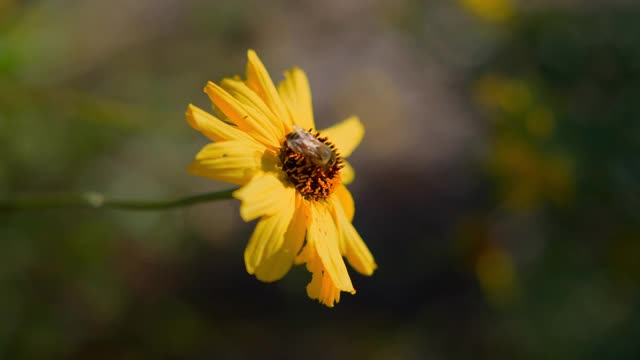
column 97, row 200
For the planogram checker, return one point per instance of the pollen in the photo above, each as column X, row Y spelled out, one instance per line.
column 314, row 177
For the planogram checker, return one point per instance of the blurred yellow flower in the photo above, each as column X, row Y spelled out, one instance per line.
column 496, row 273
column 494, row 11
column 496, row 92
column 529, row 177
column 293, row 178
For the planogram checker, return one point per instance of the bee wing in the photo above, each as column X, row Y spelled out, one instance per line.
column 308, row 145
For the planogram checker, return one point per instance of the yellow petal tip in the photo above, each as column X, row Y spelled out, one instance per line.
column 191, row 116
column 237, row 194
column 206, row 87
column 245, row 215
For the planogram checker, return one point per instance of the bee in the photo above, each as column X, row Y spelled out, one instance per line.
column 315, row 151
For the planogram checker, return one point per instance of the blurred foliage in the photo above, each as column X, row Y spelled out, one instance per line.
column 528, row 250
column 564, row 135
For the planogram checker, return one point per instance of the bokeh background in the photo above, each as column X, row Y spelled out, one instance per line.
column 497, row 184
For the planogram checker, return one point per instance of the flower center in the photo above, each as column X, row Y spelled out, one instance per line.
column 311, row 163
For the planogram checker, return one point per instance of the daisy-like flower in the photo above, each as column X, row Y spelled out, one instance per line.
column 292, row 177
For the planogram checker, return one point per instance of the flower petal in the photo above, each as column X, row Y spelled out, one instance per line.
column 214, row 128
column 296, row 94
column 263, row 253
column 259, row 80
column 323, row 236
column 264, row 195
column 321, row 287
column 275, row 265
column 241, row 92
column 247, row 118
column 346, row 135
column 231, row 161
column 347, row 174
column 351, row 244
column 346, row 201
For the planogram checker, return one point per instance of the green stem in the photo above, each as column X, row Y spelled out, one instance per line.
column 98, row 200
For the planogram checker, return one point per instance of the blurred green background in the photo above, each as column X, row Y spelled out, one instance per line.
column 497, row 184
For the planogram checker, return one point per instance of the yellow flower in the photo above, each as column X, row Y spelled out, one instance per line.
column 293, row 177
column 494, row 11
